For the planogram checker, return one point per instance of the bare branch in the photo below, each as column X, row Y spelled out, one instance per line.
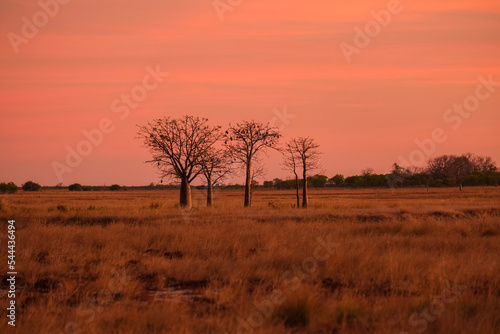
column 303, row 152
column 243, row 141
column 179, row 146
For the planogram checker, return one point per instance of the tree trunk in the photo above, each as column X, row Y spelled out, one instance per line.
column 304, row 190
column 209, row 193
column 297, row 189
column 248, row 185
column 185, row 197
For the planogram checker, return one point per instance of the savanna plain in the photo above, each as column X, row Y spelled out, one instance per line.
column 355, row 261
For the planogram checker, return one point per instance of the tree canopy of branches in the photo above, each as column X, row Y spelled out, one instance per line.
column 459, row 167
column 244, row 141
column 180, row 148
column 302, row 152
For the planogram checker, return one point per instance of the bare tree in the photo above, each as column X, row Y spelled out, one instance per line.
column 179, row 148
column 306, row 150
column 481, row 164
column 217, row 165
column 244, row 141
column 291, row 162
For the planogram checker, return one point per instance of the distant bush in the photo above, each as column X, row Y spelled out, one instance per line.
column 268, row 184
column 11, row 187
column 114, row 187
column 156, row 205
column 294, row 313
column 87, row 188
column 337, row 180
column 75, row 187
column 317, row 181
column 31, row 186
column 62, row 208
column 8, row 188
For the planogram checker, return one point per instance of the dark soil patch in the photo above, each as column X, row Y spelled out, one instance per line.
column 83, row 221
column 489, row 233
column 331, row 284
column 45, row 285
column 152, row 251
column 185, row 285
column 372, row 218
column 42, row 257
column 445, row 215
column 149, row 281
column 173, row 255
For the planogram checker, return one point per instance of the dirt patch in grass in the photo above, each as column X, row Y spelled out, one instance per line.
column 446, row 214
column 83, row 221
column 373, row 218
column 45, row 285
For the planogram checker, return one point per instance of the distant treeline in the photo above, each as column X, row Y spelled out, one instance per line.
column 444, row 171
column 387, row 180
column 391, row 180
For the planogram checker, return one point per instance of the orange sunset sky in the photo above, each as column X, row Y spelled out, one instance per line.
column 263, row 57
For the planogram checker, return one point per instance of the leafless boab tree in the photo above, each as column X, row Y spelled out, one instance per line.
column 305, row 153
column 244, row 141
column 217, row 165
column 291, row 162
column 179, row 148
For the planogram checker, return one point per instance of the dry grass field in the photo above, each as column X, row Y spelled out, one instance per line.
column 356, row 261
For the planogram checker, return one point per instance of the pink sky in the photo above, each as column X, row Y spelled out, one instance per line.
column 263, row 56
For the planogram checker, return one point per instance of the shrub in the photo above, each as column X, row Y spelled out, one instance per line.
column 8, row 188
column 31, row 186
column 62, row 208
column 114, row 187
column 75, row 187
column 317, row 181
column 295, row 313
column 156, row 205
column 11, row 187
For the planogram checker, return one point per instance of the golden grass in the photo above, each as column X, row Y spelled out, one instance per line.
column 133, row 262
